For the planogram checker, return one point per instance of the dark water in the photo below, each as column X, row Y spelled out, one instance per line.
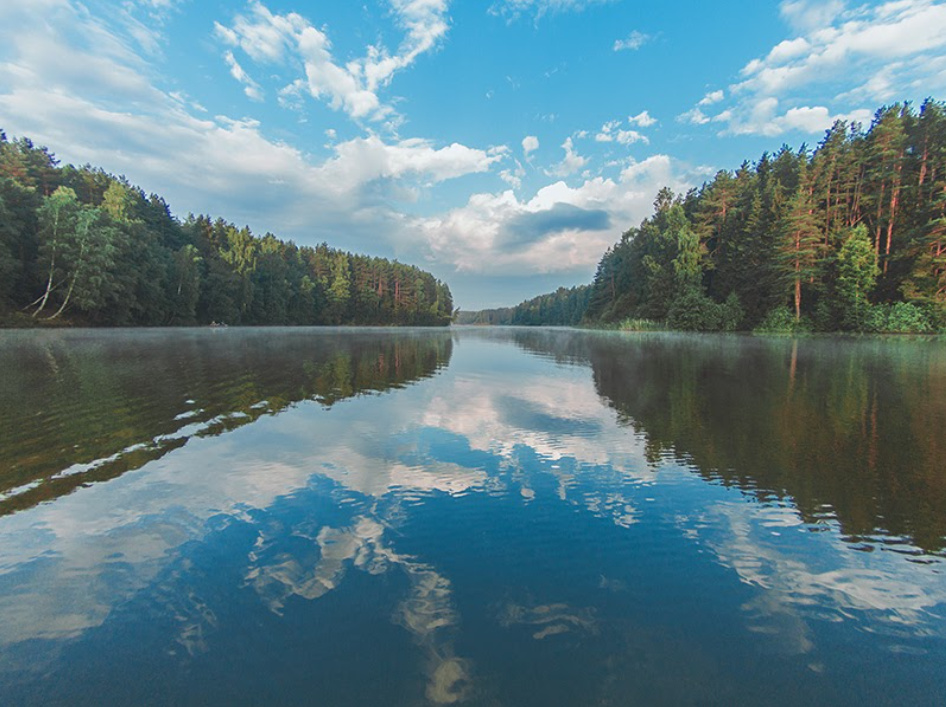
column 504, row 517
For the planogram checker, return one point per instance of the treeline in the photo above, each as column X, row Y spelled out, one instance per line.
column 564, row 307
column 848, row 237
column 81, row 245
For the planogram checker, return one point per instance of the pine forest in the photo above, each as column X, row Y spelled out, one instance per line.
column 848, row 236
column 80, row 246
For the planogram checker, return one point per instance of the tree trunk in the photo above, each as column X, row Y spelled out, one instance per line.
column 894, row 200
column 797, row 298
column 880, row 210
column 797, row 278
column 65, row 302
column 72, row 285
column 49, row 285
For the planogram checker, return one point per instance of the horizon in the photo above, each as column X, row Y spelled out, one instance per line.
column 492, row 146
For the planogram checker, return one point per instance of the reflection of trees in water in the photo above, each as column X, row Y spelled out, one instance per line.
column 846, row 429
column 77, row 407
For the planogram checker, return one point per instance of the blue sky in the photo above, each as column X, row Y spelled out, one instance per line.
column 502, row 145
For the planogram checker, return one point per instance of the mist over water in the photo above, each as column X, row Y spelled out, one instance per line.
column 483, row 517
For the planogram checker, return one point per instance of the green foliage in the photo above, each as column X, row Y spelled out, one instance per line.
column 81, row 245
column 694, row 311
column 731, row 313
column 829, row 234
column 898, row 318
column 856, row 276
column 782, row 321
column 564, row 307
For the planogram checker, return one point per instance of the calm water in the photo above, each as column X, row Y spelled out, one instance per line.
column 504, row 517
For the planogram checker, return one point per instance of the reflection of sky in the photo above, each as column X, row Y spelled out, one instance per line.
column 497, row 423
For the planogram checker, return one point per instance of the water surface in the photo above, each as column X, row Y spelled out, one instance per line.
column 481, row 517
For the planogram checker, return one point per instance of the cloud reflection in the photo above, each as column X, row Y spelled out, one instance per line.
column 534, row 432
column 806, row 577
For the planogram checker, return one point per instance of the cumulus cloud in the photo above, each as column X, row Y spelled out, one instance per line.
column 695, row 116
column 534, row 225
column 642, row 119
column 712, row 97
column 530, row 143
column 899, row 46
column 572, row 162
column 363, row 160
column 559, row 229
column 271, row 38
column 93, row 103
column 635, row 40
column 612, row 131
column 766, row 118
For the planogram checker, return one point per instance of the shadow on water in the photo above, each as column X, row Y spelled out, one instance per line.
column 844, row 429
column 85, row 406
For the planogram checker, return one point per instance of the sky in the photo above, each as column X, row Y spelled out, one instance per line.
column 502, row 145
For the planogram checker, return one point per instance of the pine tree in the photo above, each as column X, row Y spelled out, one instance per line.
column 801, row 245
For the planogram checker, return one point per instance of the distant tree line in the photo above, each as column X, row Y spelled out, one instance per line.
column 564, row 307
column 848, row 237
column 81, row 245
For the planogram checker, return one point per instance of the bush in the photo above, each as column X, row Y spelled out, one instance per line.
column 899, row 318
column 826, row 316
column 731, row 313
column 694, row 311
column 782, row 321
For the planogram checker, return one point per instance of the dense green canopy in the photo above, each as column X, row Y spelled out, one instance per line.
column 81, row 245
column 850, row 236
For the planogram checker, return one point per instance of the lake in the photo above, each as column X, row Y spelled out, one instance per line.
column 472, row 517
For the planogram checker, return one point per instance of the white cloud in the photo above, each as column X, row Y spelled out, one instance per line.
column 262, row 35
column 629, row 137
column 635, row 40
column 899, row 45
column 572, row 162
column 694, row 116
column 513, row 9
column 612, row 131
column 712, row 97
column 486, row 234
column 607, row 130
column 513, row 177
column 530, row 143
column 96, row 105
column 250, row 87
column 764, row 118
column 271, row 38
column 642, row 119
column 426, row 24
column 808, row 15
column 362, row 160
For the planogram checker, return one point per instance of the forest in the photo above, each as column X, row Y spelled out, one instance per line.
column 849, row 236
column 564, row 307
column 79, row 246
